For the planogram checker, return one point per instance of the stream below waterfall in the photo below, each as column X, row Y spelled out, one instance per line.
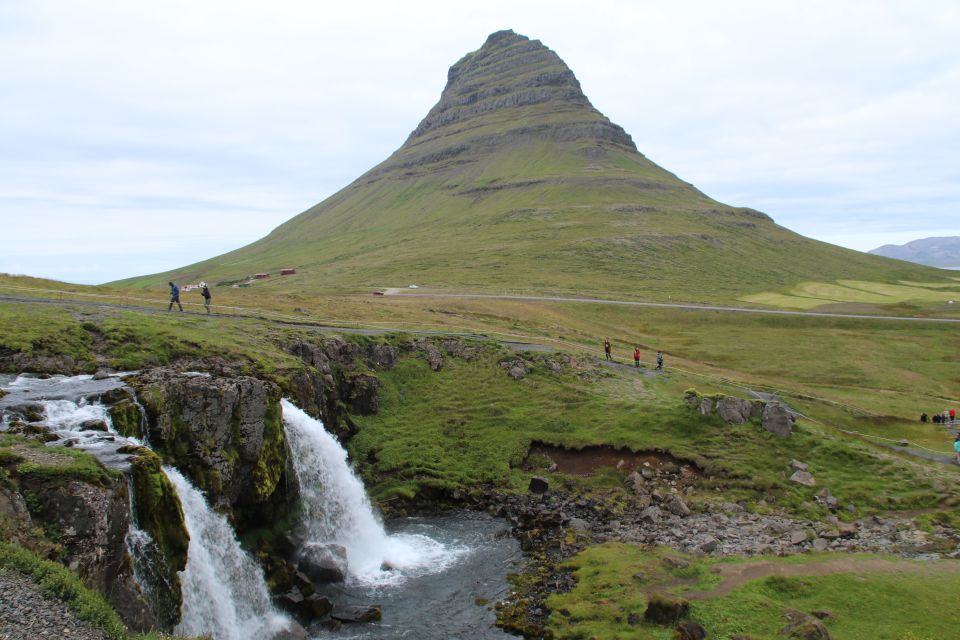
column 456, row 602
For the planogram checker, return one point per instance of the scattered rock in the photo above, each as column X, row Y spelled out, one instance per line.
column 323, row 563
column 796, row 465
column 803, row 477
column 650, row 515
column 291, row 631
column 734, row 410
column 689, row 630
column 706, row 406
column 579, row 524
column 663, row 609
column 798, row 536
column 677, row 506
column 357, row 613
column 709, row 546
column 539, row 484
column 776, row 419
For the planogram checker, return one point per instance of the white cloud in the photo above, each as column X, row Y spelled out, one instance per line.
column 833, row 117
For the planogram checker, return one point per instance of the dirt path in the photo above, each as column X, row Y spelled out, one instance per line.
column 736, row 574
column 666, row 305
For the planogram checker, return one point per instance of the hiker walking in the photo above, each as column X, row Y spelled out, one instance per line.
column 923, row 417
column 205, row 292
column 174, row 296
column 606, row 349
column 659, row 360
column 956, row 447
column 636, row 356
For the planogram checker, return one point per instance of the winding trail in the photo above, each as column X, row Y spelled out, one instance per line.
column 736, row 574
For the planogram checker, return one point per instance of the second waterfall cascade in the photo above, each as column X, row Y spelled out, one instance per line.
column 336, row 510
column 224, row 592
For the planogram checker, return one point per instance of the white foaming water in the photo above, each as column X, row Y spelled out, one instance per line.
column 224, row 592
column 336, row 510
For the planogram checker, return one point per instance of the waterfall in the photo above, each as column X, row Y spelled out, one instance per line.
column 223, row 588
column 224, row 591
column 336, row 510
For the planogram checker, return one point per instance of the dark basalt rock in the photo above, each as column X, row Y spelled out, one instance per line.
column 226, row 434
column 664, row 610
column 357, row 613
column 323, row 563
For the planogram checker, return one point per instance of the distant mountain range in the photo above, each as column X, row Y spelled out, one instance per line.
column 515, row 182
column 935, row 252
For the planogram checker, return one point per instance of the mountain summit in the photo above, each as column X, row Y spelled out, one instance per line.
column 514, row 181
column 511, row 71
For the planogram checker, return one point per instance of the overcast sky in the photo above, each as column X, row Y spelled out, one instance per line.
column 141, row 136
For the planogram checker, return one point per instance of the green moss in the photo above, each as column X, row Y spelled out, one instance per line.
column 125, row 417
column 272, row 459
column 159, row 513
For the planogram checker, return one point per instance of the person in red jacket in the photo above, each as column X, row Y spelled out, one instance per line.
column 636, row 356
column 953, row 415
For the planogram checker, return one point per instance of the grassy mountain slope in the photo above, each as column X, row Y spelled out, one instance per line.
column 515, row 181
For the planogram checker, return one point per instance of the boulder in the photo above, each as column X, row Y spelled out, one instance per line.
column 290, row 631
column 796, row 465
column 636, row 483
column 803, row 477
column 706, row 406
column 776, row 419
column 677, row 506
column 357, row 613
column 804, row 627
column 798, row 536
column 539, row 484
column 828, row 500
column 579, row 524
column 434, row 357
column 734, row 410
column 93, row 425
column 663, row 609
column 27, row 411
column 323, row 563
column 689, row 630
column 382, row 356
column 650, row 515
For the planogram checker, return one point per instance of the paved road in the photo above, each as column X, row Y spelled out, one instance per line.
column 666, row 305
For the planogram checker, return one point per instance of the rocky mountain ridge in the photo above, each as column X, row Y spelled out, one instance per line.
column 935, row 251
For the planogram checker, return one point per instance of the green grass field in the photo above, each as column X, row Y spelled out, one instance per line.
column 866, row 596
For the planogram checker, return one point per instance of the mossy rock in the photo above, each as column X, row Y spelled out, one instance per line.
column 126, row 419
column 160, row 514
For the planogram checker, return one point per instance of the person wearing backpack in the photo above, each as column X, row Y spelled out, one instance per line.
column 205, row 292
column 174, row 296
column 636, row 356
column 956, row 447
column 659, row 360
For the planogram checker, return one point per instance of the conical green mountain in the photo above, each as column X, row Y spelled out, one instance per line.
column 514, row 181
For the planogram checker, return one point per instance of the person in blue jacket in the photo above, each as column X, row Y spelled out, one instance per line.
column 174, row 296
column 956, row 447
